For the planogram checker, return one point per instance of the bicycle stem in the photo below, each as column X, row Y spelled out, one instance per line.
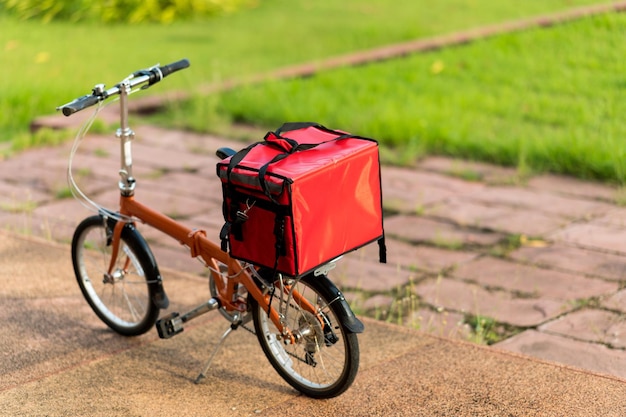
column 126, row 135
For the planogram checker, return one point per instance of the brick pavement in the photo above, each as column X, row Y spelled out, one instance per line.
column 537, row 263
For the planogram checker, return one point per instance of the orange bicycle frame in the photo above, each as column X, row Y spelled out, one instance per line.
column 200, row 245
column 195, row 240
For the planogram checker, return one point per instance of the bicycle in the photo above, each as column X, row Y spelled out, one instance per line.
column 304, row 325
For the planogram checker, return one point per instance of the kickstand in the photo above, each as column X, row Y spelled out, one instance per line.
column 234, row 326
column 215, row 350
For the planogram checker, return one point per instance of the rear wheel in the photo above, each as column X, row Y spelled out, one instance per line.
column 122, row 298
column 324, row 361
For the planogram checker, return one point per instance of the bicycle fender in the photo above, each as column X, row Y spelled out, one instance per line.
column 344, row 312
column 157, row 291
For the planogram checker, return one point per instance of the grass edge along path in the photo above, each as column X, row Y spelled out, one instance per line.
column 151, row 103
column 433, row 43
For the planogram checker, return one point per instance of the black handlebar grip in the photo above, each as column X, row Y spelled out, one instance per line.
column 80, row 104
column 174, row 66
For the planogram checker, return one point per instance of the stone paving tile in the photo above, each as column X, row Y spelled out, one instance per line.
column 530, row 280
column 591, row 325
column 167, row 158
column 70, row 208
column 89, row 184
column 39, row 177
column 472, row 299
column 155, row 236
column 104, row 167
column 615, row 217
column 444, row 324
column 409, row 191
column 465, row 212
column 209, row 172
column 362, row 276
column 411, row 179
column 380, row 302
column 31, row 163
column 573, row 187
column 172, row 205
column 63, row 209
column 505, row 219
column 490, row 174
column 95, row 144
column 209, row 219
column 574, row 259
column 564, row 350
column 184, row 184
column 529, row 223
column 184, row 141
column 44, row 227
column 424, row 258
column 424, row 230
column 616, row 301
column 17, row 198
column 437, row 260
column 593, row 236
column 570, row 208
column 177, row 259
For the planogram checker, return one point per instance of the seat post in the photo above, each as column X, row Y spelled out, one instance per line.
column 126, row 135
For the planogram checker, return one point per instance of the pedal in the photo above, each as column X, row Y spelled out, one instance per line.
column 169, row 325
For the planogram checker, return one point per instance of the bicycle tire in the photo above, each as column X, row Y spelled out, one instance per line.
column 122, row 300
column 317, row 367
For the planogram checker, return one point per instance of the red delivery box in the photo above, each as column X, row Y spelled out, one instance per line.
column 301, row 198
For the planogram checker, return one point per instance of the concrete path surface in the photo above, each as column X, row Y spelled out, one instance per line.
column 59, row 360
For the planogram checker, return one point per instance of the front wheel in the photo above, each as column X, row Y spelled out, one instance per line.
column 325, row 360
column 122, row 298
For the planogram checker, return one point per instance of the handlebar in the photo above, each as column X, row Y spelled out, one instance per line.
column 148, row 76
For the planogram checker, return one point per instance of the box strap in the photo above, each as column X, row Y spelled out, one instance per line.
column 382, row 250
column 290, row 146
column 286, row 127
column 237, row 158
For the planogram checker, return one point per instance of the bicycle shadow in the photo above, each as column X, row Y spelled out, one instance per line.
column 239, row 361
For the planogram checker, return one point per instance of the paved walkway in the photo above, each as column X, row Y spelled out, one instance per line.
column 537, row 265
column 57, row 359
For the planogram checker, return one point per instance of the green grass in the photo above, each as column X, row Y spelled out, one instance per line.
column 547, row 99
column 45, row 65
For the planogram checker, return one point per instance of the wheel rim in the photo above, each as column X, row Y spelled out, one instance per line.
column 122, row 297
column 310, row 362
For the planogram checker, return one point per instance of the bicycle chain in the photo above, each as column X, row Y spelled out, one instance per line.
column 297, row 357
column 248, row 329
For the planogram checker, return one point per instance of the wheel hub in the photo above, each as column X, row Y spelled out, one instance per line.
column 310, row 331
column 116, row 276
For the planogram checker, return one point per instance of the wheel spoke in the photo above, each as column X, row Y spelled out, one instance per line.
column 122, row 297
